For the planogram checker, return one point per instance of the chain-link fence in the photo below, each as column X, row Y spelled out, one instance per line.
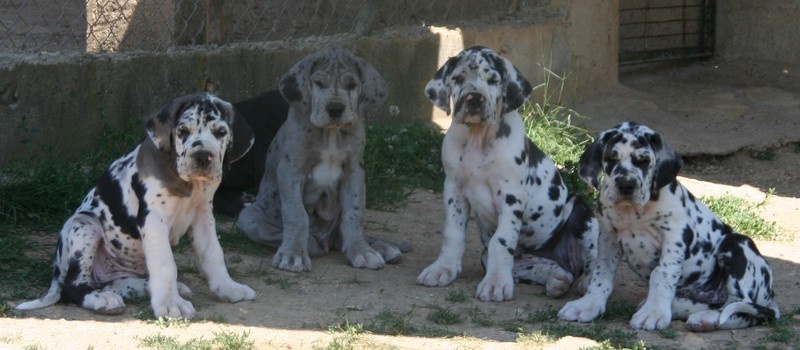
column 157, row 25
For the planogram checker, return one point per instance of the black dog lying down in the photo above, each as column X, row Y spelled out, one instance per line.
column 265, row 113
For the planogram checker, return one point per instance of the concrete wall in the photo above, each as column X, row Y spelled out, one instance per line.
column 62, row 102
column 768, row 31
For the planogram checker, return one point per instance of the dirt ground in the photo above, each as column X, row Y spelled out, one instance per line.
column 292, row 308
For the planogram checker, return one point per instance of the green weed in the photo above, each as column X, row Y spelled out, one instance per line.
column 171, row 322
column 444, row 316
column 548, row 123
column 456, row 296
column 222, row 340
column 534, row 339
column 349, row 336
column 399, row 159
column 391, row 323
column 742, row 216
column 480, row 318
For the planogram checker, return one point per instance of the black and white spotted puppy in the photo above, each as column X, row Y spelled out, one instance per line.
column 117, row 244
column 697, row 268
column 515, row 192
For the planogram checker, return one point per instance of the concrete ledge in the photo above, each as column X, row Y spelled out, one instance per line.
column 61, row 102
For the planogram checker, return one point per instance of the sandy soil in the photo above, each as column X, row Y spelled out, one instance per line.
column 292, row 308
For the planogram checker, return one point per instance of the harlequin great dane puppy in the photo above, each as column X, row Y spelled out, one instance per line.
column 697, row 268
column 514, row 191
column 313, row 184
column 117, row 244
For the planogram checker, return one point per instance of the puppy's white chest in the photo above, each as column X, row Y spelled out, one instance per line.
column 328, row 171
column 639, row 240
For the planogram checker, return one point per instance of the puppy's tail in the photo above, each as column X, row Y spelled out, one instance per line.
column 761, row 312
column 52, row 297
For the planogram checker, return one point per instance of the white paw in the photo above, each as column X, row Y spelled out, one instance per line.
column 233, row 292
column 652, row 317
column 174, row 306
column 584, row 309
column 496, row 287
column 104, row 302
column 439, row 274
column 366, row 258
column 289, row 260
column 558, row 284
column 703, row 321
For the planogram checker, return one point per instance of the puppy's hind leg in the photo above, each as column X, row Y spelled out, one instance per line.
column 543, row 271
column 82, row 235
column 255, row 222
column 136, row 287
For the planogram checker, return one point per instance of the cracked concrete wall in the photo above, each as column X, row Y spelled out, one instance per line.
column 52, row 102
column 761, row 31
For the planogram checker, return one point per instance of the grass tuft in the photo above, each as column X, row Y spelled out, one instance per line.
column 444, row 316
column 399, row 159
column 64, row 181
column 391, row 323
column 456, row 296
column 742, row 216
column 549, row 125
column 222, row 340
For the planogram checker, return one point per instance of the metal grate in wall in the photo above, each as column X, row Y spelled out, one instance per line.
column 659, row 30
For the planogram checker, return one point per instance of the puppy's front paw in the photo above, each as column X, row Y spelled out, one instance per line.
column 290, row 260
column 651, row 317
column 584, row 309
column 233, row 292
column 496, row 287
column 365, row 258
column 440, row 274
column 361, row 255
column 391, row 252
column 173, row 306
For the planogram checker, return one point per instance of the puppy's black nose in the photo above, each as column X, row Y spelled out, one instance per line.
column 335, row 109
column 474, row 100
column 626, row 186
column 202, row 158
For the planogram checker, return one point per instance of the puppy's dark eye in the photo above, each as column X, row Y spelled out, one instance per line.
column 458, row 79
column 182, row 132
column 641, row 162
column 493, row 80
column 220, row 133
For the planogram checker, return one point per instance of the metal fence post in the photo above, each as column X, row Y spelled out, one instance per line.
column 366, row 16
column 215, row 22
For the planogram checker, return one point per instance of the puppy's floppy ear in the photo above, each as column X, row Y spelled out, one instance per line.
column 591, row 163
column 517, row 87
column 295, row 83
column 437, row 89
column 159, row 128
column 668, row 162
column 374, row 88
column 590, row 166
column 242, row 136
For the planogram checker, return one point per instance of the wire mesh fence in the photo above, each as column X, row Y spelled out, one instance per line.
column 157, row 25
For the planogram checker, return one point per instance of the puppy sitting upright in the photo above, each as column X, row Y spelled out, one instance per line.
column 117, row 244
column 313, row 188
column 697, row 268
column 514, row 191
